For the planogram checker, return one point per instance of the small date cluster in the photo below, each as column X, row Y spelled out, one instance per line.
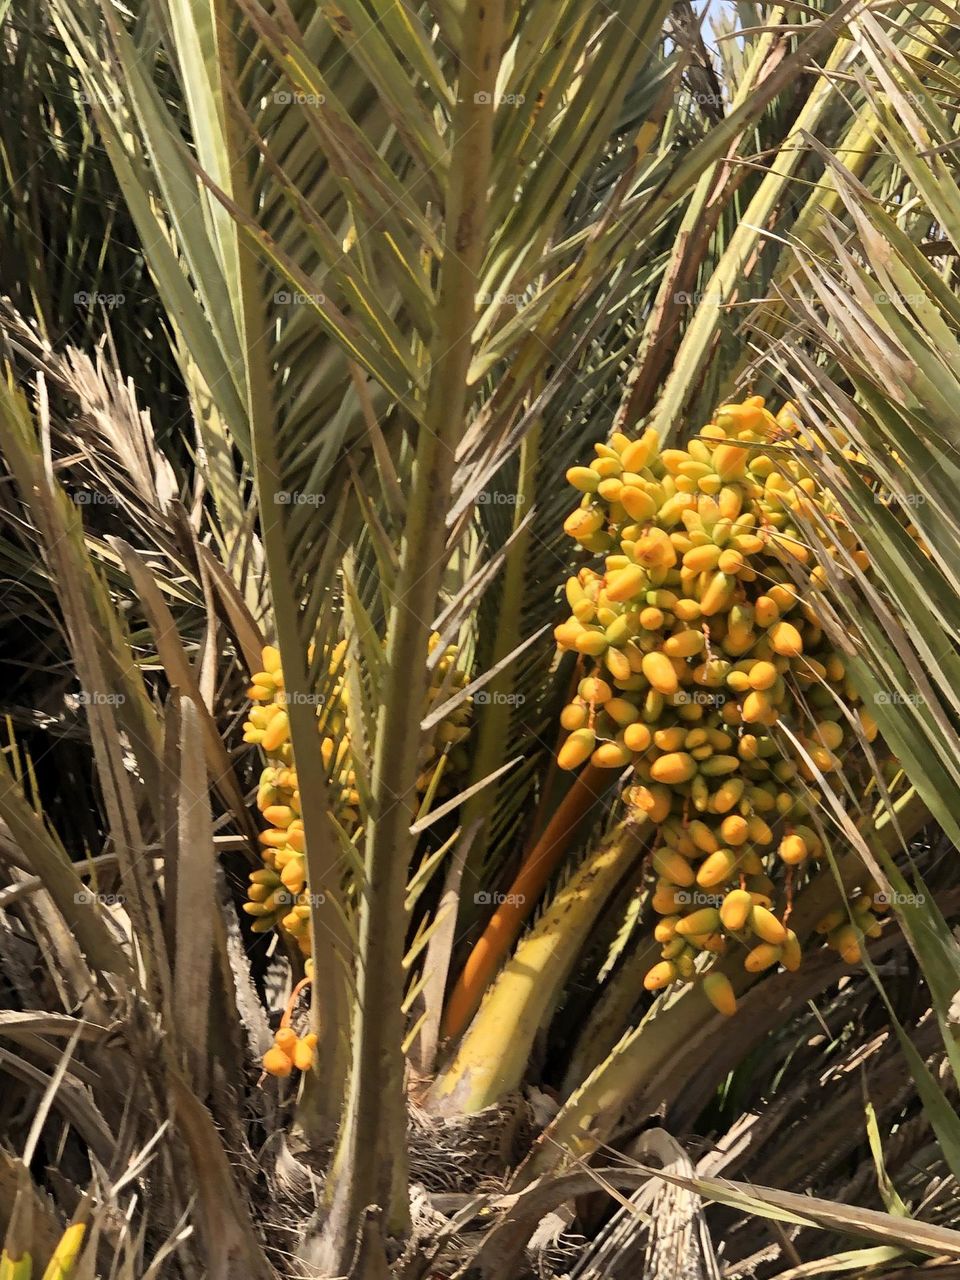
column 277, row 895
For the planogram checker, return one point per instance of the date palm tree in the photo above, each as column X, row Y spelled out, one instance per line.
column 384, row 273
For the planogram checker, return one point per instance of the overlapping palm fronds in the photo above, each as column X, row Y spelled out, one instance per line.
column 412, row 262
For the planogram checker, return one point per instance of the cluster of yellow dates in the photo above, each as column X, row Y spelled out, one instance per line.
column 277, row 894
column 700, row 647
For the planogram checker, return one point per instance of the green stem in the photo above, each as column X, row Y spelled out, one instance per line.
column 332, row 946
column 495, row 723
column 370, row 1164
